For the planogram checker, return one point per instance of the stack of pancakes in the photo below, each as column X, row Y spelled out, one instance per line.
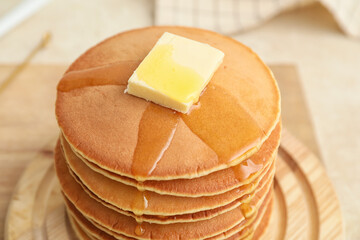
column 131, row 169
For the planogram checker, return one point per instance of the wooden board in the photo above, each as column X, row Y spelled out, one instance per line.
column 28, row 133
column 306, row 206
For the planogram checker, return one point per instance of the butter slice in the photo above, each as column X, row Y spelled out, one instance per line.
column 175, row 72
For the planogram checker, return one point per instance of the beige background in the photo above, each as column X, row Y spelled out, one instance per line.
column 327, row 61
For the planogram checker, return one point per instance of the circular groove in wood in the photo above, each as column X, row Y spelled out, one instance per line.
column 41, row 203
column 328, row 207
column 313, row 217
column 306, row 206
column 279, row 215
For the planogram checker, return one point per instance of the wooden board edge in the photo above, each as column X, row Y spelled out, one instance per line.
column 327, row 203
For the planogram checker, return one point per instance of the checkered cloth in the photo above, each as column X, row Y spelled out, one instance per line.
column 232, row 16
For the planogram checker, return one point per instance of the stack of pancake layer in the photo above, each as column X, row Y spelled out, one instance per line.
column 130, row 169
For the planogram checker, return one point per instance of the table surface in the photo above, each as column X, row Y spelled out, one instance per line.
column 326, row 59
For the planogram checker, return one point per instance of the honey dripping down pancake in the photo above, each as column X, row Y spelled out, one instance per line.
column 132, row 169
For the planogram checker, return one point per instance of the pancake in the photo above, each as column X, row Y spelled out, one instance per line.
column 94, row 229
column 212, row 184
column 130, row 199
column 246, row 225
column 263, row 216
column 87, row 227
column 110, row 128
column 131, row 169
column 125, row 225
column 259, row 228
column 263, row 185
column 79, row 232
column 170, row 227
column 264, row 223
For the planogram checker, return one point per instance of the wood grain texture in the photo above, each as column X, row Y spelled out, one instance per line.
column 28, row 128
column 306, row 203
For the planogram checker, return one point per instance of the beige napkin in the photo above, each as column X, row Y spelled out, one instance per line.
column 231, row 16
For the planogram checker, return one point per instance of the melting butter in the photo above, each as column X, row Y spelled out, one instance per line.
column 159, row 71
column 175, row 72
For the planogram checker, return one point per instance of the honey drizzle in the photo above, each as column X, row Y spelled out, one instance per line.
column 247, row 209
column 139, row 205
column 247, row 198
column 223, row 124
column 156, row 130
column 139, row 230
column 247, row 167
column 111, row 74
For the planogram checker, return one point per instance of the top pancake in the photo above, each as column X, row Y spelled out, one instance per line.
column 211, row 184
column 131, row 137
